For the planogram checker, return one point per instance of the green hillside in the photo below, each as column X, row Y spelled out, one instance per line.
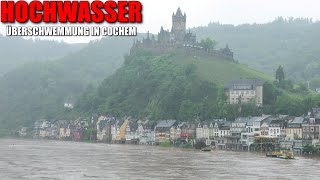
column 219, row 70
column 168, row 86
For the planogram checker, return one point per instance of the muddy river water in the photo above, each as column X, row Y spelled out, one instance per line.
column 27, row 159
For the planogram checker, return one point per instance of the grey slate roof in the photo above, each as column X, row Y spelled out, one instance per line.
column 166, row 123
column 133, row 125
column 224, row 127
column 244, row 84
column 242, row 120
column 316, row 112
column 297, row 120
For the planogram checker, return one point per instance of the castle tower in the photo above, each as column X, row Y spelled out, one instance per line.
column 179, row 27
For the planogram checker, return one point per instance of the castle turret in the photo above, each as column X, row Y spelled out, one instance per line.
column 178, row 30
column 227, row 53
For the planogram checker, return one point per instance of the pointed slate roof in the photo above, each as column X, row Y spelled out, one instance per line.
column 179, row 12
column 166, row 123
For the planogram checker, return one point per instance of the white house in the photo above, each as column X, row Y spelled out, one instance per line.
column 202, row 131
column 252, row 130
column 244, row 91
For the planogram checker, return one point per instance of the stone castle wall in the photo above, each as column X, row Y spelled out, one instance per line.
column 178, row 41
column 194, row 51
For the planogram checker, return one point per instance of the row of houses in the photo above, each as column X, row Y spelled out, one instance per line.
column 59, row 129
column 240, row 134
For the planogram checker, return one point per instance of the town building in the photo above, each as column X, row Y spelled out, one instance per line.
column 104, row 128
column 202, row 130
column 252, row 130
column 315, row 113
column 236, row 129
column 310, row 128
column 185, row 132
column 132, row 132
column 277, row 128
column 244, row 91
column 294, row 129
column 162, row 130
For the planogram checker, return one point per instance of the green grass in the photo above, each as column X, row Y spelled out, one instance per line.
column 219, row 70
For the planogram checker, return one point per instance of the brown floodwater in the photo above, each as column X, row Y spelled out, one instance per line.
column 27, row 159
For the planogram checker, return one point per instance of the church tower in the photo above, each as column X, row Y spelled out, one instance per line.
column 178, row 30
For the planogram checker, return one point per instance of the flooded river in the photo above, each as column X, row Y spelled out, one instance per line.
column 26, row 159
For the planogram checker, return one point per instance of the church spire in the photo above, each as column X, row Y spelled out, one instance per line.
column 179, row 12
column 148, row 35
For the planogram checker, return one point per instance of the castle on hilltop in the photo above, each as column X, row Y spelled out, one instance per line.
column 178, row 40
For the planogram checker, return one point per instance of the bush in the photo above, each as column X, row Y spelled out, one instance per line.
column 166, row 144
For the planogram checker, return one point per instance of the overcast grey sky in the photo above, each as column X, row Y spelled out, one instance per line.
column 202, row 12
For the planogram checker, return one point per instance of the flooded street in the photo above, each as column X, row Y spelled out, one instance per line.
column 26, row 159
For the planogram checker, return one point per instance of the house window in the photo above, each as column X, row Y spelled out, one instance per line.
column 247, row 92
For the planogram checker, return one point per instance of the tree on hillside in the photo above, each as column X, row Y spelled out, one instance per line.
column 208, row 44
column 280, row 74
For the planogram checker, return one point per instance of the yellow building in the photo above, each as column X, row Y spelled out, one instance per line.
column 122, row 131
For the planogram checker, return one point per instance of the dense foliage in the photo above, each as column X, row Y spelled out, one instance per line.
column 290, row 42
column 282, row 97
column 154, row 87
column 160, row 87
